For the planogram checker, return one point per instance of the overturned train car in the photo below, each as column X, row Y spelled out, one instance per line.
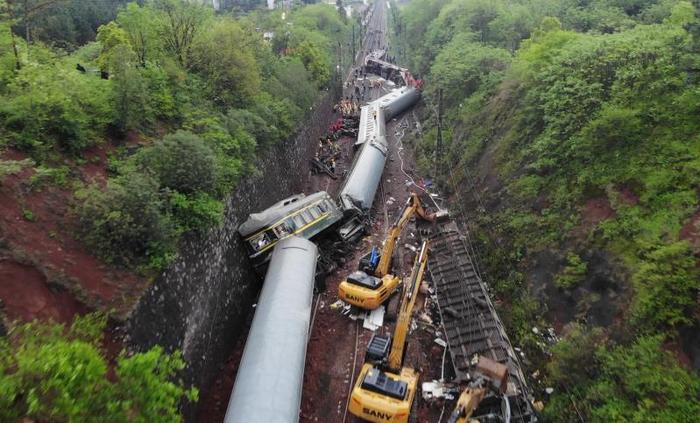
column 357, row 194
column 269, row 382
column 298, row 215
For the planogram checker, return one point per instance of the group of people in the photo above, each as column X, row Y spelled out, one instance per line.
column 347, row 107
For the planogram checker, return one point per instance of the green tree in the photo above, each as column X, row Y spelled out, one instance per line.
column 50, row 372
column 181, row 23
column 111, row 36
column 311, row 55
column 125, row 223
column 130, row 91
column 140, row 24
column 573, row 273
column 463, row 67
column 643, row 383
column 667, row 286
column 182, row 162
column 229, row 67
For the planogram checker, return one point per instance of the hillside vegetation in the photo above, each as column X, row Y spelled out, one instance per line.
column 143, row 116
column 571, row 148
column 181, row 99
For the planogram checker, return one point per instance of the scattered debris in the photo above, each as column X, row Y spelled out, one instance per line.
column 423, row 317
column 337, row 305
column 436, row 390
column 374, row 319
column 441, row 342
column 549, row 391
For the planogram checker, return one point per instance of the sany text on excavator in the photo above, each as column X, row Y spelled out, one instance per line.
column 371, row 286
column 385, row 389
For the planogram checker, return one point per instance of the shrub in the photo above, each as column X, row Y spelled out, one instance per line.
column 182, row 162
column 573, row 273
column 125, row 223
column 667, row 284
column 197, row 212
column 50, row 372
column 52, row 108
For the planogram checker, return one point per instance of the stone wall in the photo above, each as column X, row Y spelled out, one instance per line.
column 200, row 303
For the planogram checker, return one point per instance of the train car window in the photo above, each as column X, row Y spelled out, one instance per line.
column 298, row 222
column 260, row 241
column 315, row 212
column 306, row 215
column 323, row 206
column 282, row 230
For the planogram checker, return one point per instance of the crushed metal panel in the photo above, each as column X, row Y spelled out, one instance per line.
column 471, row 324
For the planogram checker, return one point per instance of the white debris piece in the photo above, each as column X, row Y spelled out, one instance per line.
column 435, row 389
column 535, row 330
column 441, row 342
column 374, row 319
column 410, row 247
column 431, row 390
column 423, row 317
column 549, row 391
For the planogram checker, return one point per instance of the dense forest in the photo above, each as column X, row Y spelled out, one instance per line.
column 180, row 100
column 186, row 97
column 570, row 146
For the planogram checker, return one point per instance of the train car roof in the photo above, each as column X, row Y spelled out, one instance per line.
column 277, row 211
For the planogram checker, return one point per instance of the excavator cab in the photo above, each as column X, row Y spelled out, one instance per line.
column 369, row 262
column 366, row 291
column 380, row 396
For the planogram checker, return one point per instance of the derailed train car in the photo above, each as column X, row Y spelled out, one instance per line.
column 269, row 382
column 357, row 194
column 309, row 216
column 299, row 215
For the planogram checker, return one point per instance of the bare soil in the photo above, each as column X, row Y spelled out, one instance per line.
column 691, row 230
column 37, row 234
column 26, row 295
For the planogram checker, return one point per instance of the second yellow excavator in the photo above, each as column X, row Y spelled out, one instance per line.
column 371, row 286
column 385, row 389
column 488, row 376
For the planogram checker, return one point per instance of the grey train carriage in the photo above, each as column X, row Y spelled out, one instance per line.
column 300, row 215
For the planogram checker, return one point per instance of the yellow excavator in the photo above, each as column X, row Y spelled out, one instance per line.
column 487, row 375
column 385, row 389
column 371, row 286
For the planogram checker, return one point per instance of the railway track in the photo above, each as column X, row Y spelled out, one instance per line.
column 471, row 324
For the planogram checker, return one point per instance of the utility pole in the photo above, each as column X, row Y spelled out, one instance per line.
column 438, row 140
column 353, row 42
column 340, row 55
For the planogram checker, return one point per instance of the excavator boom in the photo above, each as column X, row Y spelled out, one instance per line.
column 407, row 302
column 413, row 206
